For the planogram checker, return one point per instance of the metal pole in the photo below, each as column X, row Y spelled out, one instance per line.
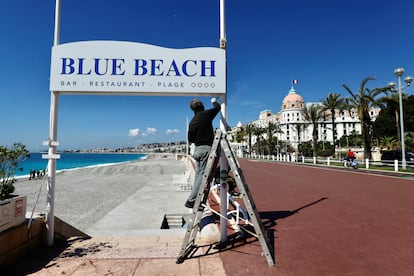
column 51, row 166
column 187, row 147
column 222, row 25
column 56, row 40
column 404, row 162
column 51, row 169
column 223, row 160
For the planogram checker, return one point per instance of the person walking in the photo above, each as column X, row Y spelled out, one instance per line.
column 201, row 134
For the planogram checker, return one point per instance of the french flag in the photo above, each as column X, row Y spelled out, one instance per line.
column 295, row 81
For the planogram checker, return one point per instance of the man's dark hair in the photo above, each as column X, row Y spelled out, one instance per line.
column 196, row 105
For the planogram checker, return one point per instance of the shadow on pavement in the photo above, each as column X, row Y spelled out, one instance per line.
column 38, row 259
column 269, row 218
column 236, row 240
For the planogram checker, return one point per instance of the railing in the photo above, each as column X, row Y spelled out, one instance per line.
column 329, row 161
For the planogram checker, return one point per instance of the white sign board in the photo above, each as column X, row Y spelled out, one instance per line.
column 118, row 67
column 12, row 212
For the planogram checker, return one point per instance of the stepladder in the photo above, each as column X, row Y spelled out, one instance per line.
column 241, row 214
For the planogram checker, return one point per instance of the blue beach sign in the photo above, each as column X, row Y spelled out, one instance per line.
column 129, row 68
column 119, row 67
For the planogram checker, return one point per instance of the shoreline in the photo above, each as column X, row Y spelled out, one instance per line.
column 90, row 166
column 85, row 196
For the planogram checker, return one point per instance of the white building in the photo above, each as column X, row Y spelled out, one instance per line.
column 295, row 129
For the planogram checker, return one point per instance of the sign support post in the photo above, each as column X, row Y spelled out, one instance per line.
column 52, row 143
column 223, row 160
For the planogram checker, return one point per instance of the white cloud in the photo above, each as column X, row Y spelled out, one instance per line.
column 133, row 132
column 151, row 131
column 171, row 131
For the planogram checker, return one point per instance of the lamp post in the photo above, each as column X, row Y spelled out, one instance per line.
column 399, row 72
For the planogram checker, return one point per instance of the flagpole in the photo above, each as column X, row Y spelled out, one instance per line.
column 293, row 83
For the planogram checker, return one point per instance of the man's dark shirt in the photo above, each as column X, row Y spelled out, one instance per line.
column 200, row 129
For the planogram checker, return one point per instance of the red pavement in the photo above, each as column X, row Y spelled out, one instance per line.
column 328, row 222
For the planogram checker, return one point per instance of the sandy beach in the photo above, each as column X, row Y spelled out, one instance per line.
column 114, row 198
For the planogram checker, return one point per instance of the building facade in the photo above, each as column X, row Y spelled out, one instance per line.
column 294, row 129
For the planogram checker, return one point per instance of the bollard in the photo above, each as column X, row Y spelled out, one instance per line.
column 396, row 165
column 367, row 163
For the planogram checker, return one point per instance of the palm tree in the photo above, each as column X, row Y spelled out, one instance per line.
column 409, row 139
column 313, row 114
column 271, row 129
column 299, row 128
column 362, row 102
column 388, row 142
column 392, row 102
column 249, row 131
column 240, row 135
column 331, row 103
column 258, row 132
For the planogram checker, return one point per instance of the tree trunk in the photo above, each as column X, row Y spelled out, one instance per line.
column 367, row 141
column 333, row 134
column 315, row 141
column 397, row 124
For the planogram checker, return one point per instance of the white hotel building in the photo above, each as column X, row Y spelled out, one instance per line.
column 295, row 129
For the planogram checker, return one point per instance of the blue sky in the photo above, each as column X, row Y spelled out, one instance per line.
column 322, row 43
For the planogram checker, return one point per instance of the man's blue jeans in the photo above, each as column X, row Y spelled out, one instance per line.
column 201, row 154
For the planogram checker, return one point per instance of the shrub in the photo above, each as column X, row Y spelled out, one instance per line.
column 10, row 159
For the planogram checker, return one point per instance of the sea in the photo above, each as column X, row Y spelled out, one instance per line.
column 74, row 161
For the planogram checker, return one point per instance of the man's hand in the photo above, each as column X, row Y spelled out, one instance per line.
column 192, row 149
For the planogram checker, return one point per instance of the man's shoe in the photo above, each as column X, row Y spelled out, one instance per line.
column 189, row 204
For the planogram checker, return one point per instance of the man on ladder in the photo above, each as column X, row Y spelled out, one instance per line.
column 221, row 146
column 201, row 134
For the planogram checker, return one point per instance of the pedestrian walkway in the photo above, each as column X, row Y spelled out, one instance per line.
column 128, row 239
column 142, row 253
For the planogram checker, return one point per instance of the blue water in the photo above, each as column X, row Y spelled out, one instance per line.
column 74, row 160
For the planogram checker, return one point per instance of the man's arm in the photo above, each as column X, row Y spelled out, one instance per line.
column 216, row 106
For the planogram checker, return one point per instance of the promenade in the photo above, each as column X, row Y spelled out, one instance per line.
column 322, row 221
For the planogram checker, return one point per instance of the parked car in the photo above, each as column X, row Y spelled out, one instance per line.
column 388, row 156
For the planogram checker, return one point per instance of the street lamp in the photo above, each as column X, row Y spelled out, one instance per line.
column 399, row 72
